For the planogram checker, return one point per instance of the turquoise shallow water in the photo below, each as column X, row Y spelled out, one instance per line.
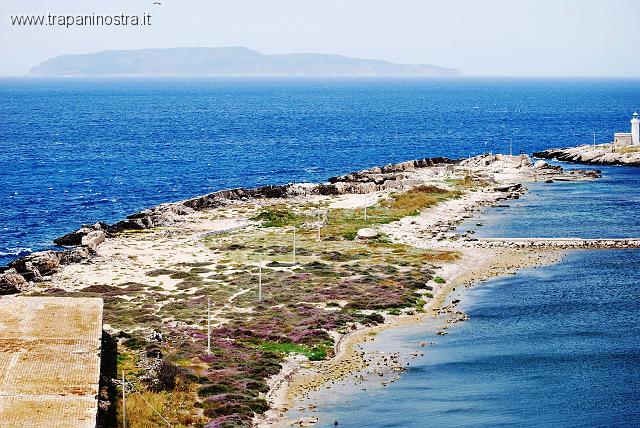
column 551, row 346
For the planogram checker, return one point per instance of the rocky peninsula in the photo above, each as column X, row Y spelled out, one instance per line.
column 287, row 279
column 601, row 154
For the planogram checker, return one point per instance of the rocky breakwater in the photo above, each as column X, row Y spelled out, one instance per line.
column 602, row 154
column 22, row 273
column 555, row 243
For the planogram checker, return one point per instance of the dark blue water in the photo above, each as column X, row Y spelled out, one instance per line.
column 79, row 151
column 555, row 346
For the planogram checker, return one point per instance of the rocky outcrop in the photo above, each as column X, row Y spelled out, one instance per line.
column 92, row 239
column 508, row 187
column 162, row 215
column 75, row 238
column 11, row 282
column 36, row 266
column 374, row 179
column 382, row 178
column 602, row 154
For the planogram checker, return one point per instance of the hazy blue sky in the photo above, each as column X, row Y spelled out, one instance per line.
column 483, row 37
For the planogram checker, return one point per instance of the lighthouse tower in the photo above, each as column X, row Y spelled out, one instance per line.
column 635, row 130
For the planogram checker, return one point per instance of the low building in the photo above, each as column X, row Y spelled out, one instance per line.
column 622, row 139
column 629, row 138
column 49, row 361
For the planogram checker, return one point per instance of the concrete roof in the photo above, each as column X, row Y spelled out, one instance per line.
column 49, row 361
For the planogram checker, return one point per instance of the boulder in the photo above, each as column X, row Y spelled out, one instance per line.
column 11, row 282
column 540, row 164
column 34, row 266
column 93, row 239
column 73, row 238
column 75, row 255
column 367, row 233
column 508, row 187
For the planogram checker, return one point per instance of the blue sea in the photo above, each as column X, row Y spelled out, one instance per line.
column 552, row 346
column 76, row 151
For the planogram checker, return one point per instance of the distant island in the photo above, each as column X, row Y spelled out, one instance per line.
column 225, row 61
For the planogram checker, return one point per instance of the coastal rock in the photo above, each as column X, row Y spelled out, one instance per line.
column 75, row 238
column 34, row 266
column 11, row 282
column 305, row 421
column 525, row 162
column 75, row 255
column 162, row 215
column 540, row 164
column 602, row 154
column 508, row 187
column 93, row 239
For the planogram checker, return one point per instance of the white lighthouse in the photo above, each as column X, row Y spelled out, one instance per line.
column 635, row 130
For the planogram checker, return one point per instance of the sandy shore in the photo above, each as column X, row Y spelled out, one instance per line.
column 300, row 377
column 430, row 229
column 160, row 274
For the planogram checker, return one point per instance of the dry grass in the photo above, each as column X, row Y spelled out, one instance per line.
column 627, row 149
column 175, row 406
column 140, row 414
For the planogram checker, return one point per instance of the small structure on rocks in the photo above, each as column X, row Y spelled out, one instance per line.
column 629, row 138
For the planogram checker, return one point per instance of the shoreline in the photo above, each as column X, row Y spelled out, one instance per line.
column 157, row 268
column 600, row 154
column 300, row 377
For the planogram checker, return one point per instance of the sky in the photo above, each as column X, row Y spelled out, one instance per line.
column 480, row 37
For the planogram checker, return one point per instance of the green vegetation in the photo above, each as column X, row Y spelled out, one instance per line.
column 278, row 216
column 439, row 280
column 344, row 223
column 316, row 353
column 332, row 284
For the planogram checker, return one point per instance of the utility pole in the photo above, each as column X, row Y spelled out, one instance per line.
column 365, row 207
column 594, row 139
column 510, row 147
column 260, row 280
column 318, row 238
column 294, row 244
column 124, row 402
column 208, row 326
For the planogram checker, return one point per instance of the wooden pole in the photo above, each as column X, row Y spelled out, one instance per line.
column 260, row 280
column 124, row 402
column 294, row 244
column 208, row 326
column 318, row 238
column 365, row 207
